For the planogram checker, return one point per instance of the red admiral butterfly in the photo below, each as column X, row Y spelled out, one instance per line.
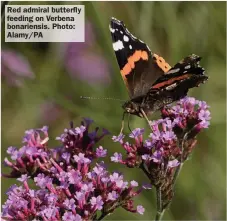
column 150, row 80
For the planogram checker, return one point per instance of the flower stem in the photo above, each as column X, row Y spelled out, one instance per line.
column 159, row 215
column 160, row 211
column 145, row 171
column 177, row 172
column 102, row 216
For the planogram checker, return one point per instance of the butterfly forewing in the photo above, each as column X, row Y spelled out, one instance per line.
column 139, row 67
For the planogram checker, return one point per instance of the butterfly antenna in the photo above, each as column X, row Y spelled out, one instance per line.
column 101, row 98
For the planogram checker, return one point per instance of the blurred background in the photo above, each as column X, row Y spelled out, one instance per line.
column 42, row 84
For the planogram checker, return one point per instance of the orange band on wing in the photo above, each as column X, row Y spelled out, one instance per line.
column 131, row 62
column 162, row 63
column 170, row 81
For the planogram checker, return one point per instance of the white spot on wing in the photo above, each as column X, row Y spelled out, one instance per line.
column 130, row 46
column 126, row 38
column 170, row 87
column 173, row 71
column 111, row 29
column 118, row 45
column 115, row 20
column 187, row 67
column 121, row 32
column 130, row 34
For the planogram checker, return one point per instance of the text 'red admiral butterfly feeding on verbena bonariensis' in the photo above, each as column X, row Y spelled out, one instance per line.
column 151, row 82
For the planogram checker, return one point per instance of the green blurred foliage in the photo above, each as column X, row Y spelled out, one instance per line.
column 171, row 29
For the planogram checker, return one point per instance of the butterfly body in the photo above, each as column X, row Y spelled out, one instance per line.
column 151, row 82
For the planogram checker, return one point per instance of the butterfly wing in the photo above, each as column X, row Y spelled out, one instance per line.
column 139, row 67
column 184, row 75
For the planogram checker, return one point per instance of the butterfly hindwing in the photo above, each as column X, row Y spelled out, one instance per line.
column 187, row 70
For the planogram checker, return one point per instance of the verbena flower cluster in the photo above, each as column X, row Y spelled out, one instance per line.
column 70, row 185
column 169, row 144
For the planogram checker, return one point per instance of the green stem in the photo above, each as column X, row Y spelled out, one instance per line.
column 145, row 171
column 159, row 215
column 160, row 211
column 177, row 172
column 102, row 216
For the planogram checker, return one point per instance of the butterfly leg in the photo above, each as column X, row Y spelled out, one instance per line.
column 128, row 123
column 122, row 123
column 145, row 116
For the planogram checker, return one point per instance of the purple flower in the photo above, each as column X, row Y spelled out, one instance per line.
column 66, row 182
column 77, row 130
column 80, row 196
column 169, row 145
column 88, row 121
column 74, row 176
column 52, row 199
column 148, row 144
column 89, row 67
column 115, row 177
column 168, row 135
column 134, row 183
column 69, row 204
column 42, row 180
column 140, row 210
column 80, row 158
column 15, row 154
column 202, row 104
column 189, row 111
column 202, row 124
column 136, row 133
column 100, row 152
column 146, row 157
column 87, row 187
column 204, row 115
column 98, row 169
column 157, row 156
column 112, row 196
column 23, row 178
column 118, row 179
column 173, row 163
column 97, row 202
column 82, row 63
column 11, row 150
column 15, row 67
column 118, row 138
column 117, row 157
column 66, row 156
column 69, row 216
column 155, row 135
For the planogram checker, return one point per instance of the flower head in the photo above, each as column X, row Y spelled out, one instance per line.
column 169, row 144
column 15, row 67
column 68, row 186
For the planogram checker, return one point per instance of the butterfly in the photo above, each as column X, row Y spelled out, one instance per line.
column 151, row 82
